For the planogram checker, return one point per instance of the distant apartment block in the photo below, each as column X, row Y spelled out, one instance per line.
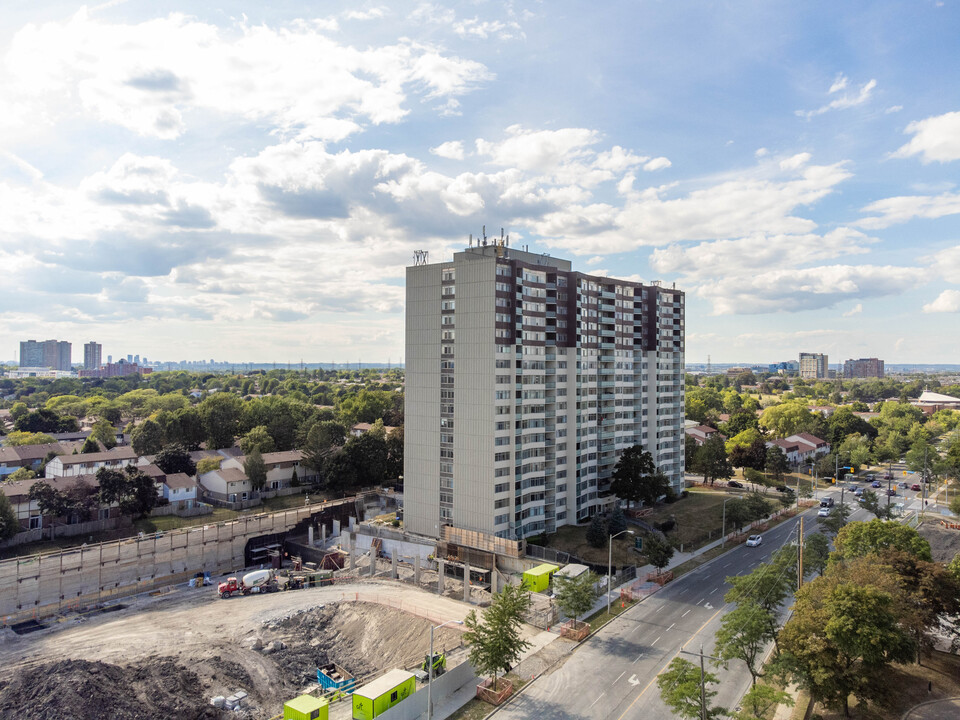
column 787, row 366
column 52, row 354
column 117, row 369
column 813, row 366
column 92, row 354
column 525, row 381
column 863, row 368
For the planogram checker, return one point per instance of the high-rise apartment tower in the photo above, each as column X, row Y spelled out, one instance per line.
column 49, row 354
column 814, row 366
column 863, row 368
column 92, row 354
column 525, row 381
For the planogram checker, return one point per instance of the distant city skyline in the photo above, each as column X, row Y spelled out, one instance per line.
column 252, row 181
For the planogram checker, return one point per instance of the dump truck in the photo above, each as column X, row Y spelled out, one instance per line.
column 378, row 696
column 258, row 581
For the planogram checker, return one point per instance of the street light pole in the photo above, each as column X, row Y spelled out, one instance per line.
column 430, row 664
column 610, row 563
column 723, row 536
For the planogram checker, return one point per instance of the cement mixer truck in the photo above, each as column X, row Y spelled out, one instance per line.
column 258, row 581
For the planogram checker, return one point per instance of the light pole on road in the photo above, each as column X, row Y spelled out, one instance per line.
column 610, row 563
column 723, row 535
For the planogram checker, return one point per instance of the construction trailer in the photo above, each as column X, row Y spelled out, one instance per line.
column 538, row 579
column 571, row 571
column 378, row 696
column 334, row 677
column 306, row 707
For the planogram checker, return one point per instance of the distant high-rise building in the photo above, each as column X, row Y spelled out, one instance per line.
column 136, row 359
column 525, row 382
column 52, row 354
column 109, row 358
column 92, row 355
column 129, row 358
column 813, row 366
column 863, row 368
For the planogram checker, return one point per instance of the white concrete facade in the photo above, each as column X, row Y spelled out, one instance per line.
column 525, row 381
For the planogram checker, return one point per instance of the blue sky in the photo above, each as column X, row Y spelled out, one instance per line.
column 247, row 183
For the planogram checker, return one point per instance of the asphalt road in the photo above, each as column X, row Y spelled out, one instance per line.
column 613, row 674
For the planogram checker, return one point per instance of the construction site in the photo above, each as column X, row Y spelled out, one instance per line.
column 202, row 641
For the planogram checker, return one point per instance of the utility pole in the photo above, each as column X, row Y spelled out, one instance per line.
column 703, row 682
column 800, row 553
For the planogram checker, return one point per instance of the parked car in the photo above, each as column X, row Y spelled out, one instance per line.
column 754, row 540
column 915, row 486
column 734, row 484
column 875, row 483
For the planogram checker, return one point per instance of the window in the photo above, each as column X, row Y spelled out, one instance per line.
column 36, row 522
column 501, row 503
column 448, row 275
column 501, row 519
column 449, row 291
column 501, row 487
column 501, row 441
column 448, row 305
column 501, row 456
column 449, row 334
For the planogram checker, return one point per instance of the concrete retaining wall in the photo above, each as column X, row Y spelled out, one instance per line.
column 46, row 584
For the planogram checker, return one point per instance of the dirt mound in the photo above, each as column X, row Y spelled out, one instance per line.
column 360, row 637
column 944, row 542
column 100, row 691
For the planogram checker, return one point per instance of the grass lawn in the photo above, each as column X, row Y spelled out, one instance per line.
column 477, row 709
column 573, row 539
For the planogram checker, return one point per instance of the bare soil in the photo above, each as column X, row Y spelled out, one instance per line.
column 168, row 656
column 944, row 542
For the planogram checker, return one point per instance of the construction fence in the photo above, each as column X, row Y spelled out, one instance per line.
column 47, row 584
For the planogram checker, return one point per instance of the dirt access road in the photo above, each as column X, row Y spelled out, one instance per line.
column 167, row 655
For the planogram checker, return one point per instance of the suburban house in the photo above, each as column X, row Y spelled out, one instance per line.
column 702, row 433
column 361, row 428
column 180, row 490
column 28, row 513
column 25, row 456
column 280, row 467
column 801, row 446
column 228, row 485
column 89, row 463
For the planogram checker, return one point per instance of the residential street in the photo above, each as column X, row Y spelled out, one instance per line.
column 613, row 674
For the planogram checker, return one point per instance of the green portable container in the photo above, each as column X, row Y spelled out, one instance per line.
column 378, row 696
column 306, row 707
column 538, row 579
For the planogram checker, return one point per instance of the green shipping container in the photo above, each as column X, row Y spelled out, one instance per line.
column 538, row 579
column 306, row 707
column 378, row 696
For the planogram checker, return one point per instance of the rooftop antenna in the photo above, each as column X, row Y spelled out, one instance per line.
column 484, row 235
column 471, row 239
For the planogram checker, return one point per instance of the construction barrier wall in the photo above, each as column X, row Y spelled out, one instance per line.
column 46, row 584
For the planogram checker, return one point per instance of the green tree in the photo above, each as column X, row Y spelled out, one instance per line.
column 743, row 635
column 323, row 440
column 680, row 690
column 104, row 433
column 768, row 585
column 49, row 500
column 575, row 596
column 787, row 418
column 816, row 551
column 495, row 639
column 257, row 438
column 18, row 410
column 659, row 552
column 617, row 522
column 757, row 506
column 395, row 454
column 9, row 525
column 841, row 640
column 21, row 474
column 636, row 478
column 220, row 414
column 368, row 455
column 759, row 702
column 147, row 438
column 255, row 469
column 711, row 461
column 339, row 471
column 864, row 538
column 776, row 464
column 90, row 446
column 18, row 438
column 174, row 458
column 597, row 532
column 871, row 503
column 130, row 488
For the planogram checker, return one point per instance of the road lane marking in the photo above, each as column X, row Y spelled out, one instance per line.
column 638, row 657
column 700, row 600
column 598, row 698
column 633, row 680
column 708, row 606
column 664, row 667
column 660, row 608
column 728, row 564
column 684, row 615
column 656, row 641
column 671, row 627
column 619, row 676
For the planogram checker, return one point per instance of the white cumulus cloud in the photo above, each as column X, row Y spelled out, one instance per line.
column 947, row 302
column 935, row 139
column 452, row 150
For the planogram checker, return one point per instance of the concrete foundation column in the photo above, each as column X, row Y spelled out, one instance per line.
column 373, row 562
column 336, row 527
column 353, row 558
column 493, row 582
column 416, row 570
column 393, row 566
column 310, row 535
column 466, row 582
column 323, row 534
column 440, row 571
